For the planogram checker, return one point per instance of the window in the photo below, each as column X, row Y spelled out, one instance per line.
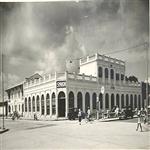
column 100, row 72
column 112, row 74
column 106, row 72
column 122, row 77
column 117, row 76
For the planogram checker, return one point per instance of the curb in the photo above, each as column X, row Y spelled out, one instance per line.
column 3, row 130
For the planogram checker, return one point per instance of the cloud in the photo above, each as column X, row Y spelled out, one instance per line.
column 41, row 36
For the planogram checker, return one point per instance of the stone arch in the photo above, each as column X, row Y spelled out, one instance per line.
column 122, row 100
column 29, row 104
column 107, row 100
column 87, row 100
column 26, row 105
column 47, row 104
column 42, row 105
column 71, row 100
column 112, row 101
column 135, row 101
column 139, row 101
column 61, row 104
column 117, row 100
column 79, row 100
column 127, row 100
column 33, row 104
column 38, row 103
column 53, row 103
column 94, row 100
column 131, row 100
column 101, row 100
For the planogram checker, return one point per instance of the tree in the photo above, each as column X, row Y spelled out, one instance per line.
column 133, row 78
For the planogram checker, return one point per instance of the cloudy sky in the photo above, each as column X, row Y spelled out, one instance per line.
column 39, row 37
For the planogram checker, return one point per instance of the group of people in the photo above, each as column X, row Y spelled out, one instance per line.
column 142, row 117
column 81, row 115
column 15, row 115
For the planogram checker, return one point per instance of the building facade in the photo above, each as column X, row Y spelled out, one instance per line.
column 15, row 99
column 52, row 95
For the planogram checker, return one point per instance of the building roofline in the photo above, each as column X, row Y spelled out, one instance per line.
column 14, row 86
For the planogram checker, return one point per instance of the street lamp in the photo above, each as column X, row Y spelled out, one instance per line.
column 98, row 101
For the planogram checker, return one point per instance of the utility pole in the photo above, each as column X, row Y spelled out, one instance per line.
column 147, row 84
column 2, row 65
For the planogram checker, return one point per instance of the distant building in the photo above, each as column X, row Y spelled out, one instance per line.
column 15, row 98
column 52, row 95
column 4, row 108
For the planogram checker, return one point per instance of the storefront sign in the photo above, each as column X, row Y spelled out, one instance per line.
column 60, row 84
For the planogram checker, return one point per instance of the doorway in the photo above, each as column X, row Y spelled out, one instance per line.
column 61, row 104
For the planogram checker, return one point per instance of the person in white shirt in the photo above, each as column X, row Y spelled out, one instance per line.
column 80, row 116
column 88, row 114
column 139, row 121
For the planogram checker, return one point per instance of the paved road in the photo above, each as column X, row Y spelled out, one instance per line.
column 28, row 134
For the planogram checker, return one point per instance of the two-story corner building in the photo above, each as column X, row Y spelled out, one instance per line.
column 15, row 99
column 52, row 95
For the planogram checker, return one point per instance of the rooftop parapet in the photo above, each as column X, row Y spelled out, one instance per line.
column 97, row 56
column 72, row 76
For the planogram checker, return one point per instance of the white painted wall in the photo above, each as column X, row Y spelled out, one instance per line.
column 89, row 68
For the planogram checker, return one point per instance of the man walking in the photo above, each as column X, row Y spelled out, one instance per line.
column 139, row 121
column 80, row 116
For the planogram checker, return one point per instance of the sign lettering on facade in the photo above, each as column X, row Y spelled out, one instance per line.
column 60, row 84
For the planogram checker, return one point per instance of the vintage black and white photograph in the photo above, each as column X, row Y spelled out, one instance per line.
column 75, row 74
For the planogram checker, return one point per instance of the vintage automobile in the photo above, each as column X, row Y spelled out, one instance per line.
column 127, row 112
column 73, row 113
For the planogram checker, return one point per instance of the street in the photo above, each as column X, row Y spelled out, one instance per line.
column 65, row 134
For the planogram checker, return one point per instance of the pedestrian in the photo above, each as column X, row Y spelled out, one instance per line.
column 139, row 121
column 117, row 111
column 80, row 116
column 35, row 116
column 88, row 115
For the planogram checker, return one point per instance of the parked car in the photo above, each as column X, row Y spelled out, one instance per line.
column 127, row 112
column 73, row 113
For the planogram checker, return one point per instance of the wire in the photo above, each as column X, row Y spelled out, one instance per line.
column 119, row 51
column 126, row 49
